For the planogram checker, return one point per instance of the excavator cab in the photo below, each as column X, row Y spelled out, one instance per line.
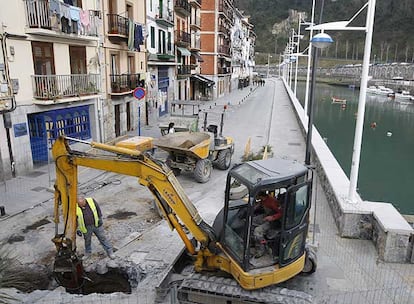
column 240, row 222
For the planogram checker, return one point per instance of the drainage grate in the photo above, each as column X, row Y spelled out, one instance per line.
column 294, row 144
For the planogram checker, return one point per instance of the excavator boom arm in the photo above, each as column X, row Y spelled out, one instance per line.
column 158, row 178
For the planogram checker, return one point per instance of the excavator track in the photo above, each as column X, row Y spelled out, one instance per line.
column 206, row 289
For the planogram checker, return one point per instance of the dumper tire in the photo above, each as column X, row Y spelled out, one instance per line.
column 224, row 159
column 202, row 170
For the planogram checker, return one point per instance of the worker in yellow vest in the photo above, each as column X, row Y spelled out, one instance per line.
column 89, row 218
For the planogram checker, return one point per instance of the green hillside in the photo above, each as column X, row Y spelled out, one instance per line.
column 393, row 38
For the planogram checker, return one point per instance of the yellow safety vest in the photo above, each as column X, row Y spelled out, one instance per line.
column 79, row 214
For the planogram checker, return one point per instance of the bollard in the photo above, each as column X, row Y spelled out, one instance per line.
column 2, row 211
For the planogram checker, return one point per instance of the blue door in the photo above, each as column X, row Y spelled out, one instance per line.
column 45, row 127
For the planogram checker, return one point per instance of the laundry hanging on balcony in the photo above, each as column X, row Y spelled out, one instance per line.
column 135, row 36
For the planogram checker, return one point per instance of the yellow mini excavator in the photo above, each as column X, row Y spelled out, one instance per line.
column 229, row 245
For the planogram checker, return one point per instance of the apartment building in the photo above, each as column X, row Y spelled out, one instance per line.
column 125, row 66
column 201, row 88
column 182, row 39
column 216, row 23
column 243, row 40
column 51, row 55
column 161, row 55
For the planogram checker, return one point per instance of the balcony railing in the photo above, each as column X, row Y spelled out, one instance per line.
column 64, row 86
column 224, row 9
column 223, row 29
column 183, row 7
column 224, row 49
column 196, row 44
column 39, row 15
column 166, row 56
column 222, row 70
column 123, row 83
column 118, row 25
column 195, row 21
column 165, row 18
column 182, row 37
column 183, row 70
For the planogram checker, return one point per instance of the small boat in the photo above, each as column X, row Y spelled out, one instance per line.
column 385, row 91
column 338, row 100
column 403, row 95
column 372, row 90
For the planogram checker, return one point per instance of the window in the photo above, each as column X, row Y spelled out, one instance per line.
column 114, row 66
column 237, row 218
column 161, row 42
column 152, row 33
column 131, row 64
column 297, row 206
column 77, row 56
column 43, row 58
column 169, row 42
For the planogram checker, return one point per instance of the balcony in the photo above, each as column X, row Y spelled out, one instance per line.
column 122, row 84
column 195, row 22
column 182, row 38
column 165, row 19
column 40, row 20
column 117, row 26
column 224, row 49
column 223, row 30
column 183, row 71
column 53, row 87
column 182, row 7
column 166, row 56
column 225, row 10
column 195, row 44
column 223, row 70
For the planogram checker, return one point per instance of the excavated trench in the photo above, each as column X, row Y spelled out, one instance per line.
column 38, row 278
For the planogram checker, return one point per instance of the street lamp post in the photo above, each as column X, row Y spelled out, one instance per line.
column 318, row 41
column 268, row 64
column 368, row 29
column 309, row 58
column 353, row 178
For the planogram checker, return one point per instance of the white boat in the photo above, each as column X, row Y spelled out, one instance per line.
column 372, row 90
column 403, row 95
column 385, row 91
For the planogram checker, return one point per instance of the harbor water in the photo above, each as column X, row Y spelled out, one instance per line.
column 386, row 172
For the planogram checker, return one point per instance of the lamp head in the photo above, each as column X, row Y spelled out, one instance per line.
column 321, row 40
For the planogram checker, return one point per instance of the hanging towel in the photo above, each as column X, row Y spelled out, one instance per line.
column 54, row 6
column 131, row 35
column 84, row 20
column 65, row 11
column 138, row 38
column 74, row 13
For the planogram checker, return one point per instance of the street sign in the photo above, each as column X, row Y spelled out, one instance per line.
column 139, row 93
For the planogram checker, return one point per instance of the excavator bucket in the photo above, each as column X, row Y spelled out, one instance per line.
column 68, row 269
